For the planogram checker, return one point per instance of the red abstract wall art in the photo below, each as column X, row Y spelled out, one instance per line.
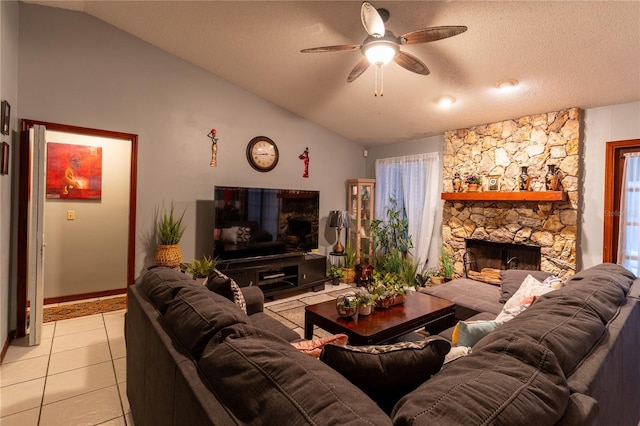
column 74, row 171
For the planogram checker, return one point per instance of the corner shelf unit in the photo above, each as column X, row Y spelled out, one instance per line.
column 360, row 203
column 543, row 196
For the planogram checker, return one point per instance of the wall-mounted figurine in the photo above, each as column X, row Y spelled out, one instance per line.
column 214, row 147
column 305, row 157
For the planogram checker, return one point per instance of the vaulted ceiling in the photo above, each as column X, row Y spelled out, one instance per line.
column 563, row 53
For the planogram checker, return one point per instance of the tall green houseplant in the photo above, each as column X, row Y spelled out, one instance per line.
column 169, row 230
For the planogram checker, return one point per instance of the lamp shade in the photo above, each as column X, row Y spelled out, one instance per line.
column 339, row 219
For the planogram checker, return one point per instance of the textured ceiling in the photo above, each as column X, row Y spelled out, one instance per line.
column 565, row 54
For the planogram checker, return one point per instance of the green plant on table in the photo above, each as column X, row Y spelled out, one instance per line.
column 335, row 272
column 409, row 272
column 387, row 285
column 364, row 298
column 200, row 268
column 169, row 226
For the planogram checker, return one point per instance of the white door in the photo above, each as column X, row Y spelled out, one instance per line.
column 36, row 244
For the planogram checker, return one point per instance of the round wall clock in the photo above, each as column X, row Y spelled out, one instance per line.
column 262, row 154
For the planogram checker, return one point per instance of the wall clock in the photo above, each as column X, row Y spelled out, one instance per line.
column 262, row 154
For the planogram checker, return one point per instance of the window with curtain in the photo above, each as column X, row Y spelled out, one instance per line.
column 413, row 182
column 629, row 233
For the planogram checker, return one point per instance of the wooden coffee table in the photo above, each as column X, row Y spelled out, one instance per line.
column 382, row 325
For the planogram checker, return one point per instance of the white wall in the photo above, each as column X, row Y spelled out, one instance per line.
column 604, row 124
column 9, row 92
column 77, row 70
column 88, row 254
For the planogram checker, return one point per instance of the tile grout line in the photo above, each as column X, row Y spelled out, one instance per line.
column 113, row 366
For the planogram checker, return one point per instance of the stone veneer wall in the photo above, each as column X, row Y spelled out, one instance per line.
column 501, row 149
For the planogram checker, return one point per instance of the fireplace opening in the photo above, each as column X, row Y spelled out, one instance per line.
column 489, row 254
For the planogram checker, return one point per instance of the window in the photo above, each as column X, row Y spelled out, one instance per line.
column 629, row 235
column 613, row 228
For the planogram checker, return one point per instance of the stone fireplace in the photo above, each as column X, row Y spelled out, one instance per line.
column 501, row 150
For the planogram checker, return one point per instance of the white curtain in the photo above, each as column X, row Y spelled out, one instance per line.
column 413, row 182
column 629, row 234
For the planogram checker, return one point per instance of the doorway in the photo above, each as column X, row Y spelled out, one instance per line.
column 90, row 243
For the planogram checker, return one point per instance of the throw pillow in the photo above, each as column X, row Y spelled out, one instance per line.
column 244, row 235
column 467, row 333
column 230, row 235
column 225, row 286
column 522, row 299
column 511, row 279
column 553, row 282
column 388, row 372
column 314, row 347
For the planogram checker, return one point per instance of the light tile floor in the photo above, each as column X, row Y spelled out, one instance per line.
column 76, row 376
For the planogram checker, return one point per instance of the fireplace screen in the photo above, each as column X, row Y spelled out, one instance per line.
column 488, row 254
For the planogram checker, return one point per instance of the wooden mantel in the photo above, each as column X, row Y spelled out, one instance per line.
column 505, row 196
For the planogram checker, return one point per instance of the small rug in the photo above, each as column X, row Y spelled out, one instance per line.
column 81, row 309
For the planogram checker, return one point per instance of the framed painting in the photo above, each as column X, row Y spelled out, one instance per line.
column 74, row 171
column 493, row 183
column 6, row 118
column 4, row 159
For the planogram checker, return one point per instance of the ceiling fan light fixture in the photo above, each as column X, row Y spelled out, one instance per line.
column 445, row 101
column 506, row 84
column 380, row 52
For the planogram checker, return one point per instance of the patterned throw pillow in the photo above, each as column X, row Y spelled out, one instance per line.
column 225, row 286
column 244, row 235
column 388, row 372
column 314, row 347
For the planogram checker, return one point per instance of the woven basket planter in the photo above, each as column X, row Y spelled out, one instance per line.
column 169, row 256
column 388, row 302
column 348, row 275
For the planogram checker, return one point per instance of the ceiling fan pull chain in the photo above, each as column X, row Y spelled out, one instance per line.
column 375, row 83
column 381, row 80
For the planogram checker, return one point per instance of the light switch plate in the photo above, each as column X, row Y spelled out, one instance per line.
column 71, row 215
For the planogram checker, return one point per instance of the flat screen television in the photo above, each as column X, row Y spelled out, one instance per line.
column 253, row 222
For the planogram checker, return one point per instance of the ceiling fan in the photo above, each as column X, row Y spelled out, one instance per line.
column 381, row 46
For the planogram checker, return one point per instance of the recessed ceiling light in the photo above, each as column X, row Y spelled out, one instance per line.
column 506, row 84
column 445, row 101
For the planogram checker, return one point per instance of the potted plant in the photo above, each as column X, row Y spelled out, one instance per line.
column 335, row 274
column 200, row 268
column 473, row 181
column 389, row 289
column 447, row 264
column 435, row 276
column 390, row 238
column 348, row 270
column 366, row 301
column 408, row 272
column 169, row 229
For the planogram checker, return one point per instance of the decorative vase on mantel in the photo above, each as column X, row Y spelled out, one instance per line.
column 525, row 180
column 552, row 178
column 457, row 183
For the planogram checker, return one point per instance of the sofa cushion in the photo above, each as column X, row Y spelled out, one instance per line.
column 512, row 381
column 475, row 295
column 388, row 372
column 225, row 286
column 263, row 321
column 197, row 314
column 511, row 280
column 162, row 284
column 262, row 379
column 606, row 272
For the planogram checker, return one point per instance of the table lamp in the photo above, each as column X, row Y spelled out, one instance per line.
column 338, row 219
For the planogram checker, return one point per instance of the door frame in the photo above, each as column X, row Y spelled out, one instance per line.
column 23, row 203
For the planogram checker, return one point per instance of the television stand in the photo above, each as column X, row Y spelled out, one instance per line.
column 277, row 274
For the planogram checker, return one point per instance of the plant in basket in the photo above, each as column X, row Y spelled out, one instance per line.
column 389, row 289
column 169, row 230
column 347, row 304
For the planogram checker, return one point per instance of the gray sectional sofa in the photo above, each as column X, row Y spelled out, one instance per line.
column 193, row 357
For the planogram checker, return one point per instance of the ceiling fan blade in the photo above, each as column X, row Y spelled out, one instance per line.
column 411, row 63
column 426, row 35
column 338, row 48
column 371, row 20
column 358, row 69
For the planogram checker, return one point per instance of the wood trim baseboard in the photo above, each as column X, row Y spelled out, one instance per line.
column 73, row 297
column 7, row 343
